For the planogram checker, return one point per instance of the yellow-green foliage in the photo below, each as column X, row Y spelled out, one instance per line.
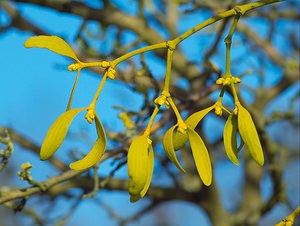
column 140, row 153
column 57, row 133
column 229, row 137
column 140, row 167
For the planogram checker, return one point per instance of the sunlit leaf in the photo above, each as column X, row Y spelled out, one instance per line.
column 134, row 198
column 169, row 148
column 201, row 157
column 229, row 137
column 57, row 133
column 53, row 43
column 150, row 170
column 179, row 140
column 138, row 161
column 249, row 135
column 193, row 120
column 96, row 152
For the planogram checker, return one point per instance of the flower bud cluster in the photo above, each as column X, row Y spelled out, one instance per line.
column 90, row 116
column 105, row 64
column 218, row 109
column 111, row 73
column 25, row 174
column 227, row 80
column 182, row 128
column 162, row 100
column 74, row 67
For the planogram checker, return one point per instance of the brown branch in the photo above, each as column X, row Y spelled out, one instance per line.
column 18, row 21
column 25, row 192
column 25, row 143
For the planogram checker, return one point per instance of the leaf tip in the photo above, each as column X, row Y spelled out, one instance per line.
column 45, row 153
column 32, row 41
column 261, row 161
column 236, row 162
column 77, row 167
column 207, row 181
column 43, row 158
column 134, row 198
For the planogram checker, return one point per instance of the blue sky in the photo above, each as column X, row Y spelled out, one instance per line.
column 34, row 90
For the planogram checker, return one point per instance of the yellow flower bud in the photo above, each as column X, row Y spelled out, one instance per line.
column 236, row 80
column 161, row 100
column 182, row 128
column 226, row 81
column 26, row 166
column 90, row 116
column 236, row 110
column 73, row 67
column 218, row 111
column 105, row 64
column 111, row 73
column 220, row 81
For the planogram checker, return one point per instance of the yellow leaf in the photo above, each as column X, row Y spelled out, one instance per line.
column 57, row 133
column 169, row 148
column 138, row 161
column 96, row 152
column 179, row 140
column 249, row 135
column 229, row 138
column 284, row 223
column 193, row 120
column 134, row 198
column 53, row 43
column 201, row 157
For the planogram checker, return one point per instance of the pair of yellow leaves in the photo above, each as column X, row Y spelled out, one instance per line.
column 140, row 160
column 241, row 122
column 199, row 151
column 173, row 142
column 58, row 132
column 59, row 128
column 141, row 157
column 140, row 154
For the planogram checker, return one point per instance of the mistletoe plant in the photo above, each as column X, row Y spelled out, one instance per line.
column 140, row 153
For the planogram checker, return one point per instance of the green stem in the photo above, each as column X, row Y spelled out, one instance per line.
column 168, row 72
column 120, row 59
column 221, row 94
column 227, row 67
column 228, row 41
column 91, row 64
column 93, row 103
column 73, row 91
column 175, row 110
column 96, row 183
column 148, row 129
column 253, row 5
column 238, row 10
column 234, row 94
